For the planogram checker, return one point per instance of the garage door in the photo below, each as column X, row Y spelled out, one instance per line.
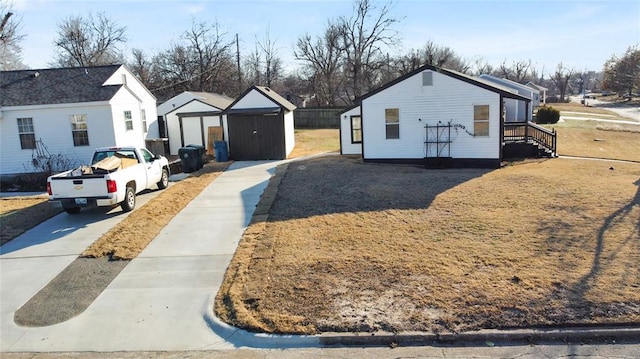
column 256, row 137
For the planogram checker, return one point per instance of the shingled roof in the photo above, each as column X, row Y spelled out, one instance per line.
column 57, row 86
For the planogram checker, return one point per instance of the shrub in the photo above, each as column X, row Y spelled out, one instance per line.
column 547, row 115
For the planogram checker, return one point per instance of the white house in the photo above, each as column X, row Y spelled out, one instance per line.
column 517, row 110
column 69, row 112
column 195, row 118
column 429, row 113
column 260, row 125
column 541, row 90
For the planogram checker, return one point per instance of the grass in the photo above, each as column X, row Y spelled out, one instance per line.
column 17, row 215
column 349, row 246
column 594, row 139
column 310, row 142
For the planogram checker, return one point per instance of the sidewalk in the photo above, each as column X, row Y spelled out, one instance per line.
column 162, row 299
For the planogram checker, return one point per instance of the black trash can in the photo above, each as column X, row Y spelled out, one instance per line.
column 200, row 154
column 188, row 159
column 222, row 153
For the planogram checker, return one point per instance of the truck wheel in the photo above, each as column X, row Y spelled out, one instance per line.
column 164, row 180
column 71, row 209
column 129, row 202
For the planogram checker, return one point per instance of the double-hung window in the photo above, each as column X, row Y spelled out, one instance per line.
column 481, row 120
column 128, row 121
column 79, row 130
column 143, row 119
column 26, row 133
column 392, row 123
column 356, row 129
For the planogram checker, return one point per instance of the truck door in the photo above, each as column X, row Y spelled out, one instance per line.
column 153, row 168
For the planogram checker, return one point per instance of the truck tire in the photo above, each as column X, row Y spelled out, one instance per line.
column 71, row 209
column 164, row 179
column 129, row 202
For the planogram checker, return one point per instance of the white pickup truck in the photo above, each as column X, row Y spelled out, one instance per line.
column 115, row 176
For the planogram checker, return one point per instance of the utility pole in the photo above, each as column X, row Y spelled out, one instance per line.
column 238, row 60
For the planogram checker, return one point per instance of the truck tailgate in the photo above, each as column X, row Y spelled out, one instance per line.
column 79, row 187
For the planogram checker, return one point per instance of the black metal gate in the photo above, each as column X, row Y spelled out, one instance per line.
column 256, row 137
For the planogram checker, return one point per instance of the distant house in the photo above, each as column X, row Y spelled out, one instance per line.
column 517, row 110
column 541, row 90
column 194, row 118
column 71, row 111
column 431, row 115
column 260, row 125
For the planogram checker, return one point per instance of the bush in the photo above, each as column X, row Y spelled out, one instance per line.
column 547, row 115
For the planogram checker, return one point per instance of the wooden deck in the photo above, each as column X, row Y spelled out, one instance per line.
column 531, row 133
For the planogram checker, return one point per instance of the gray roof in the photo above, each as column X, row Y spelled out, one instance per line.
column 214, row 99
column 276, row 97
column 57, row 86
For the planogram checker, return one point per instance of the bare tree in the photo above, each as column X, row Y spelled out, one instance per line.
column 362, row 35
column 322, row 59
column 518, row 71
column 10, row 37
column 482, row 67
column 90, row 41
column 141, row 66
column 561, row 79
column 272, row 63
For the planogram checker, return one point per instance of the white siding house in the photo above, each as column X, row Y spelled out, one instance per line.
column 517, row 110
column 430, row 113
column 190, row 122
column 69, row 112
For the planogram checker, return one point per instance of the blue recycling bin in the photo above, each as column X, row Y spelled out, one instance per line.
column 222, row 153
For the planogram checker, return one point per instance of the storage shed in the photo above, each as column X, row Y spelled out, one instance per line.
column 260, row 125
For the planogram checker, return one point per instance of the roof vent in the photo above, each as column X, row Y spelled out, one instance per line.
column 124, row 79
column 36, row 74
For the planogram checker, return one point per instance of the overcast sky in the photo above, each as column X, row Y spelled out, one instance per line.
column 581, row 34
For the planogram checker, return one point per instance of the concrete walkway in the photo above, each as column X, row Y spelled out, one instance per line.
column 162, row 300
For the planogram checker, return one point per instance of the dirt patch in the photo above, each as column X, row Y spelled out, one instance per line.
column 17, row 215
column 351, row 246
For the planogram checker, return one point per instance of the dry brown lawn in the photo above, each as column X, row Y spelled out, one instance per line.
column 313, row 141
column 17, row 215
column 351, row 246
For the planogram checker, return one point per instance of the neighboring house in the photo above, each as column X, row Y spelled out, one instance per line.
column 541, row 90
column 195, row 118
column 70, row 112
column 429, row 113
column 260, row 125
column 517, row 110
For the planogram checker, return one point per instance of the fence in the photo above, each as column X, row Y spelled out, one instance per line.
column 317, row 117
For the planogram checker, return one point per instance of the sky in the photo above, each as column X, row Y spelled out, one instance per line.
column 580, row 34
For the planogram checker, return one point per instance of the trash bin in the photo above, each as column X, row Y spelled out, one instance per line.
column 188, row 159
column 199, row 154
column 222, row 154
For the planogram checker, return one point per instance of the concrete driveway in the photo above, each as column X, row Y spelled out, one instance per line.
column 162, row 300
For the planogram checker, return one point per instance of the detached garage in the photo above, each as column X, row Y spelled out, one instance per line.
column 260, row 126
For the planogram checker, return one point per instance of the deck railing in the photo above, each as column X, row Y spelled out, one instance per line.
column 530, row 132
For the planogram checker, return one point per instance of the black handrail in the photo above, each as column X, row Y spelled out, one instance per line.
column 529, row 131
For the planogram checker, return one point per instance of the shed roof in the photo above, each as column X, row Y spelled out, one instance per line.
column 506, row 92
column 268, row 93
column 214, row 99
column 507, row 82
column 57, row 86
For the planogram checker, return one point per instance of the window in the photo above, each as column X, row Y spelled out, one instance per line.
column 27, row 134
column 392, row 122
column 146, row 155
column 143, row 117
column 427, row 78
column 481, row 120
column 356, row 129
column 79, row 130
column 128, row 121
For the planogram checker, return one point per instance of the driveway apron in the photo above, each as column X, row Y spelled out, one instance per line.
column 161, row 300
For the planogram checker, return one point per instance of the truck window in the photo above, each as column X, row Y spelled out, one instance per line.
column 148, row 156
column 99, row 156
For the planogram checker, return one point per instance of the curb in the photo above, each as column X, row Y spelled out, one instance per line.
column 242, row 338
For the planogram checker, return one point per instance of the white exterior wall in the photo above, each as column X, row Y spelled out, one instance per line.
column 175, row 102
column 121, row 102
column 52, row 124
column 448, row 99
column 346, row 147
column 289, row 133
column 173, row 125
column 146, row 100
column 254, row 99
